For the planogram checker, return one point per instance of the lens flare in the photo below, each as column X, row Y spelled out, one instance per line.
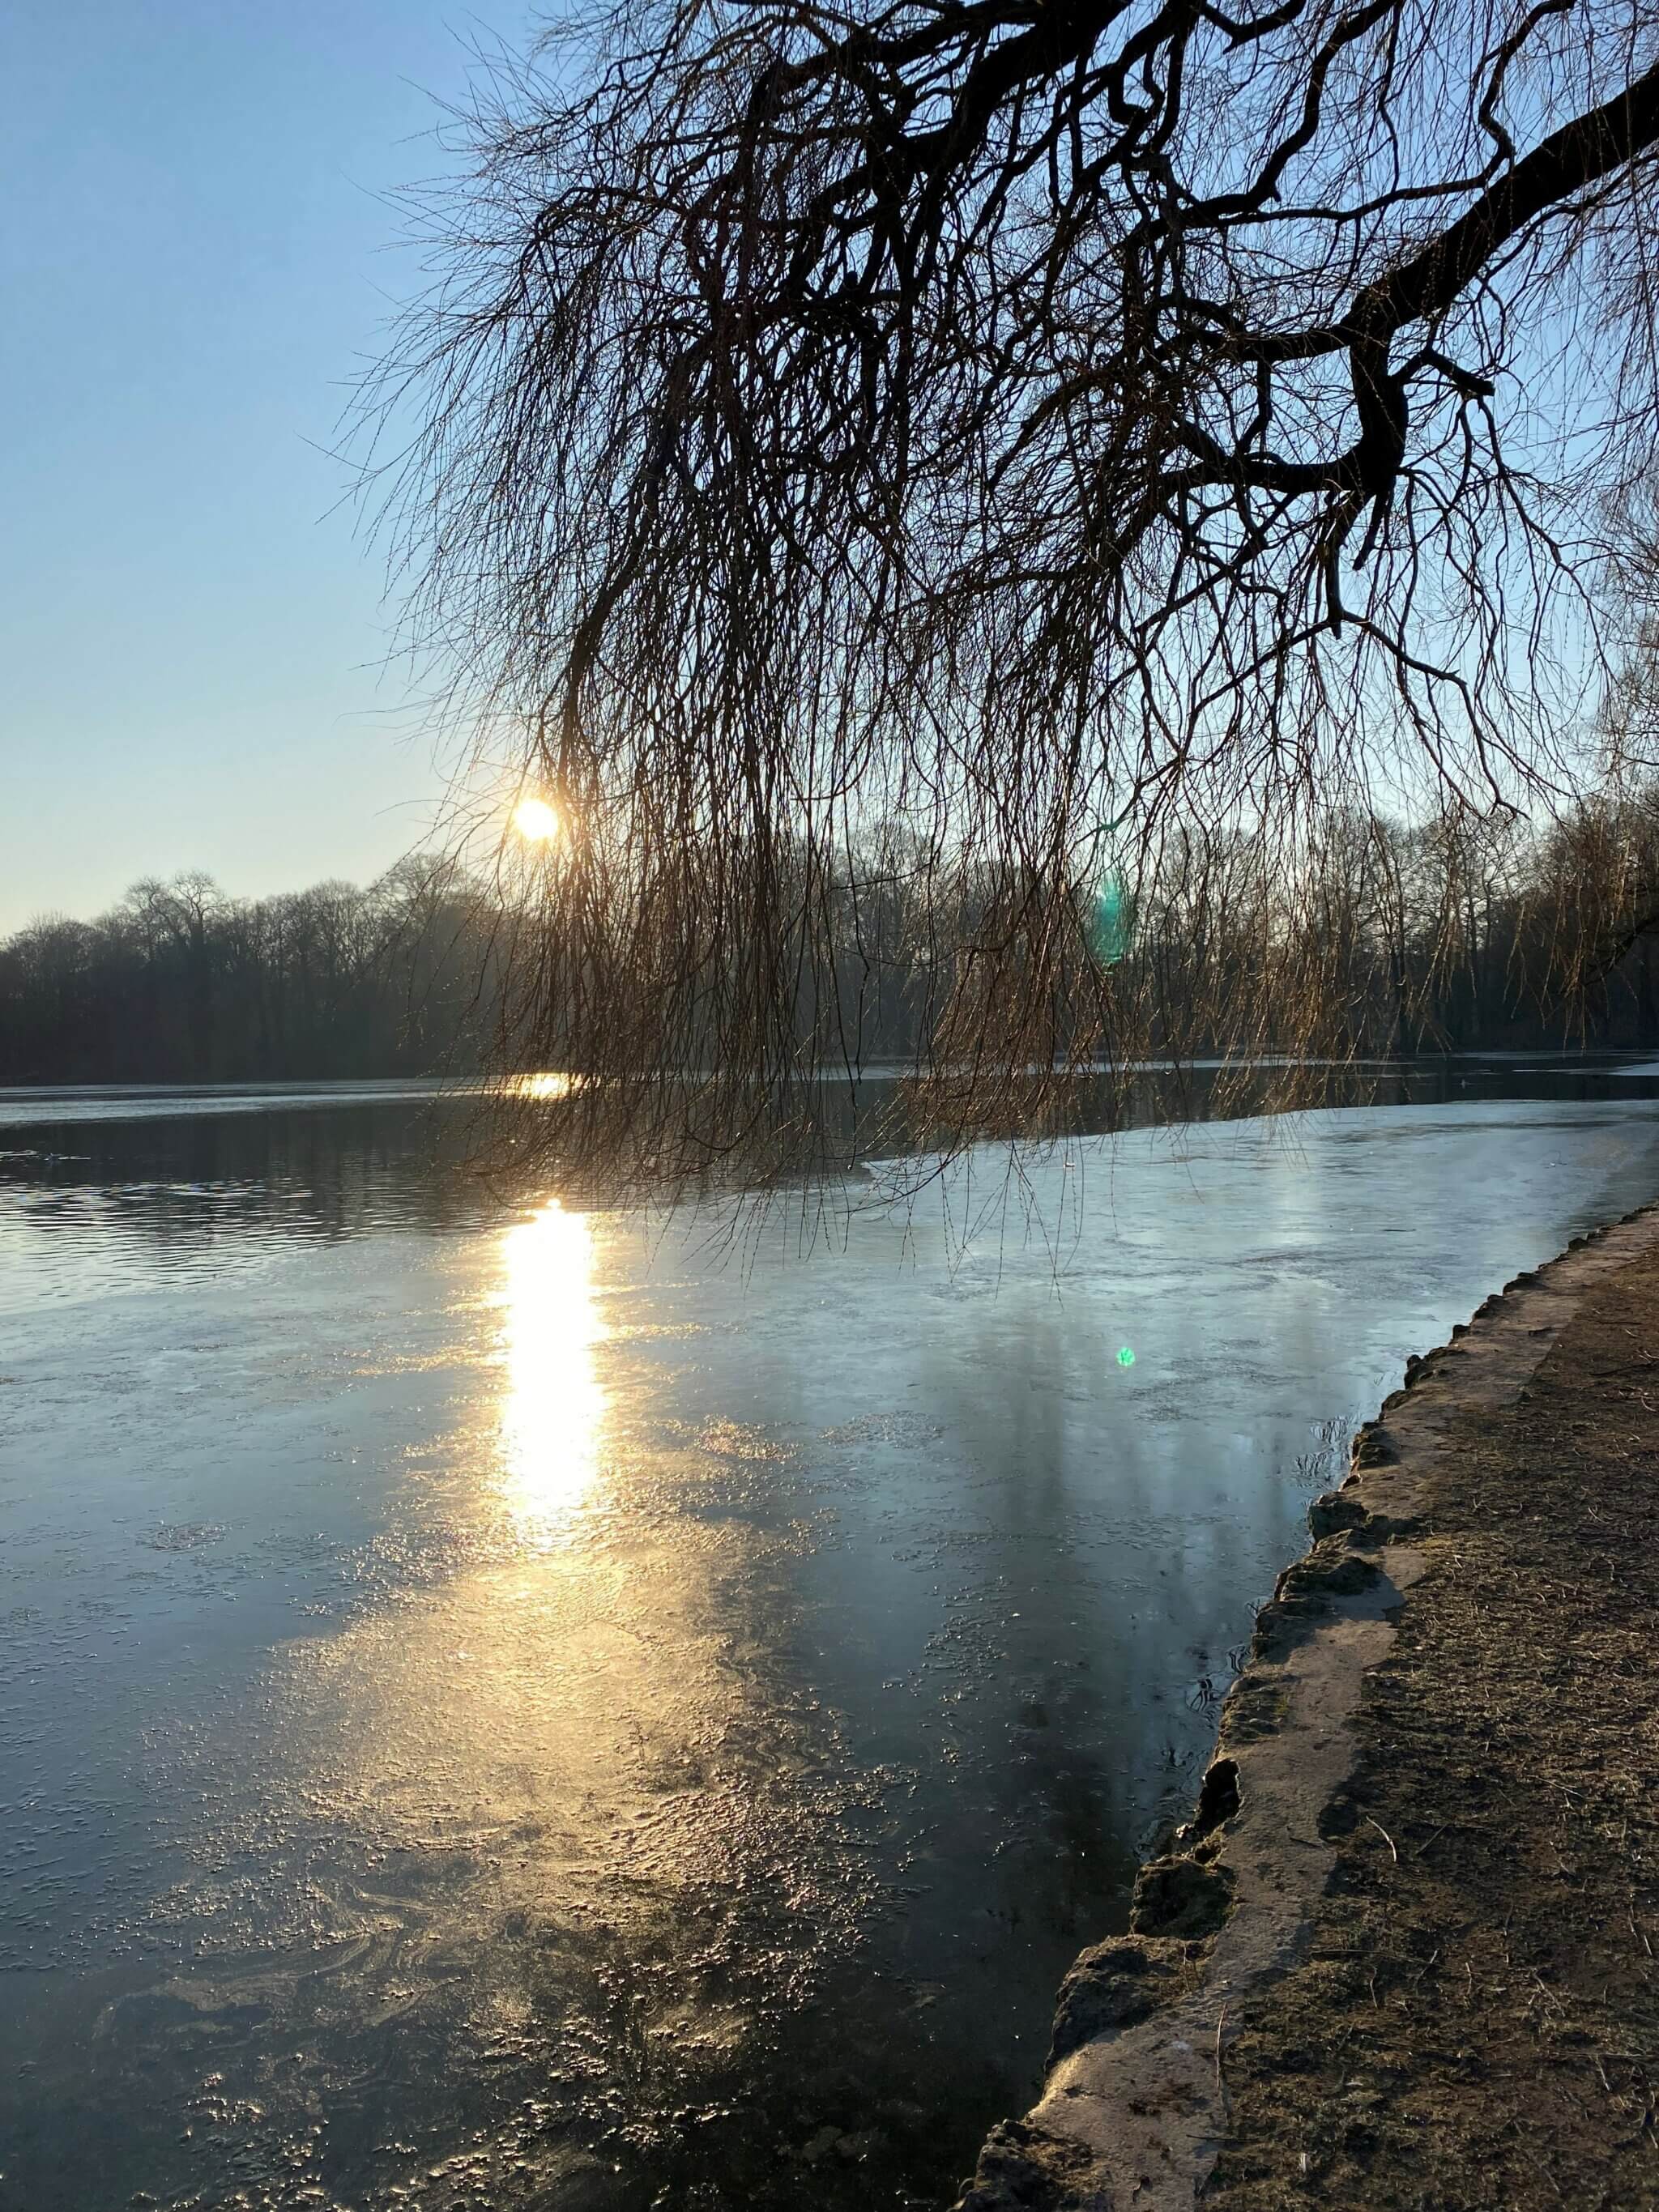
column 535, row 821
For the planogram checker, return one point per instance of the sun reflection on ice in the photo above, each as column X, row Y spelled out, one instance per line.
column 540, row 1087
column 553, row 1407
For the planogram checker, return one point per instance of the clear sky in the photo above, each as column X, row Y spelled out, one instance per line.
column 196, row 256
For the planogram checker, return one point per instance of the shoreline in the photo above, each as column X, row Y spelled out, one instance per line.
column 1137, row 2107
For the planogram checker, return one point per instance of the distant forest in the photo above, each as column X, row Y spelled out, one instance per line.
column 181, row 983
column 1459, row 934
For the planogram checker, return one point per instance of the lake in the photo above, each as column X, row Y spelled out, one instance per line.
column 503, row 1706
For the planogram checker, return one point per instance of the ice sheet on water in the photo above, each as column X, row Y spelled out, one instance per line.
column 557, row 1699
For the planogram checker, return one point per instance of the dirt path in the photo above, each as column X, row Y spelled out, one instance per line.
column 1405, row 1955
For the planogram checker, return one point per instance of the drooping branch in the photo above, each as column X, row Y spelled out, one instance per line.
column 956, row 416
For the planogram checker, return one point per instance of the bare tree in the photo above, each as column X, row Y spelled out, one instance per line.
column 1078, row 434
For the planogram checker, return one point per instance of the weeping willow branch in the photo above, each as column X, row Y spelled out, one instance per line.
column 1078, row 454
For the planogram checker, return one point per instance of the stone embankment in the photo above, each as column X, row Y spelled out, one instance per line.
column 1402, row 1955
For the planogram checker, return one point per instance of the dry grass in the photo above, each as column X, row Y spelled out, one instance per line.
column 1477, row 2024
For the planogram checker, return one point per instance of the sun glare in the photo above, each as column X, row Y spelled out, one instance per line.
column 553, row 1405
column 535, row 820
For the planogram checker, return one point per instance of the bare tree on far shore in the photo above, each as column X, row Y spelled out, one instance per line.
column 1097, row 440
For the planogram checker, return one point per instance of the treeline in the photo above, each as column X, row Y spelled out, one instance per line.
column 181, row 983
column 1462, row 932
column 1354, row 934
column 1361, row 936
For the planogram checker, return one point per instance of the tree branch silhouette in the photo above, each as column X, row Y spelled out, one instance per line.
column 1080, row 436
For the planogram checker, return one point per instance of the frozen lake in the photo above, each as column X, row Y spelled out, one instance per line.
column 503, row 1707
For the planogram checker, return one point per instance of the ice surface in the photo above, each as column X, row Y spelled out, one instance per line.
column 558, row 1708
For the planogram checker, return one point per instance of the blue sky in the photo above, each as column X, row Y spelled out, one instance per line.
column 196, row 256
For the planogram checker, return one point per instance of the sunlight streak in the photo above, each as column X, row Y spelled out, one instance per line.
column 548, row 1084
column 553, row 1407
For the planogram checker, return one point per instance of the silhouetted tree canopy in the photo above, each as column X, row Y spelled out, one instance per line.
column 1092, row 439
column 181, row 983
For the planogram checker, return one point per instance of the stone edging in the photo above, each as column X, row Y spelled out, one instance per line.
column 1135, row 2107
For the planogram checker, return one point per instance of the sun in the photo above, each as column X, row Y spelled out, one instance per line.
column 535, row 820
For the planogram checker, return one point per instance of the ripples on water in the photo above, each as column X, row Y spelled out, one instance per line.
column 510, row 1707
